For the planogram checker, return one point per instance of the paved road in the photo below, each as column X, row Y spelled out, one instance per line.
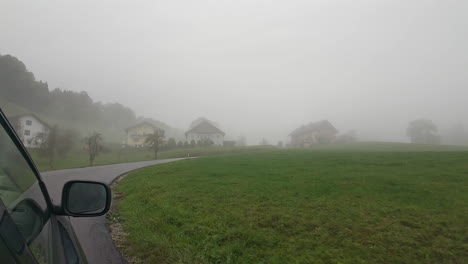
column 92, row 231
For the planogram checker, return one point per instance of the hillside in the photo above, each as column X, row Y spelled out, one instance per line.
column 21, row 93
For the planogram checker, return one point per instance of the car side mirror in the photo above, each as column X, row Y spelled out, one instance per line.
column 86, row 198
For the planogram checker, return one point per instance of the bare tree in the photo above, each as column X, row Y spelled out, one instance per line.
column 155, row 140
column 93, row 145
column 55, row 141
column 47, row 143
column 423, row 131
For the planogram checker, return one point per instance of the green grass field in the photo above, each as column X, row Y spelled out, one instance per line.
column 299, row 206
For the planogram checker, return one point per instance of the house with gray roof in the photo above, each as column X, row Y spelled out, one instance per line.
column 28, row 127
column 204, row 131
column 314, row 133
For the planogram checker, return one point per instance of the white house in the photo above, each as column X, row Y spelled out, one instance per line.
column 28, row 126
column 205, row 131
column 137, row 134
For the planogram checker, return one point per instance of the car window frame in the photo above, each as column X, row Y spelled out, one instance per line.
column 6, row 125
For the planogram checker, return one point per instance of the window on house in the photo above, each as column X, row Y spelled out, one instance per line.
column 28, row 122
column 27, row 132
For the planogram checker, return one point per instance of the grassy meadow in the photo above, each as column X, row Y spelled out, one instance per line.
column 299, row 206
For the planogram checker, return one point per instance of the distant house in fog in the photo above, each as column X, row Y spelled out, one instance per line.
column 205, row 130
column 313, row 133
column 29, row 126
column 137, row 134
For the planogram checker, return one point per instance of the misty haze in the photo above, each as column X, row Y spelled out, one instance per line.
column 293, row 131
column 259, row 69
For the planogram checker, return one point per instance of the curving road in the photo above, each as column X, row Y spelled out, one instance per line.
column 92, row 232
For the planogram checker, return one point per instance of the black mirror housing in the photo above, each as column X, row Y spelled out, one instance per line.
column 85, row 199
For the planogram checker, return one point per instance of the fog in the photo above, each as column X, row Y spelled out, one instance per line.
column 257, row 68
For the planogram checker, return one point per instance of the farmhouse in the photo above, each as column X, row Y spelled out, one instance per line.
column 137, row 134
column 204, row 131
column 313, row 133
column 28, row 127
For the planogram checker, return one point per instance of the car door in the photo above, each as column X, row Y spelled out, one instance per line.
column 29, row 230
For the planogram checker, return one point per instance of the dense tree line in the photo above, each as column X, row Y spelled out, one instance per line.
column 19, row 86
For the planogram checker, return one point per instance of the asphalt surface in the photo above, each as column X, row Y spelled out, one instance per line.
column 92, row 232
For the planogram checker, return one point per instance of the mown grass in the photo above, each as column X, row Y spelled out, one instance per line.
column 299, row 206
column 79, row 158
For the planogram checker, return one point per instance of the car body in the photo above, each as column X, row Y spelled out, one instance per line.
column 34, row 229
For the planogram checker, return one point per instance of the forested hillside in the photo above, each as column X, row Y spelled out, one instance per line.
column 20, row 93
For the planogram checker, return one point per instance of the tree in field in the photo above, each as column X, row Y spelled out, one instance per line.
column 193, row 143
column 423, row 131
column 155, row 141
column 55, row 142
column 47, row 144
column 186, row 144
column 93, row 145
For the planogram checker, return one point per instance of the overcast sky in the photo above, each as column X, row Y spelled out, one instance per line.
column 258, row 68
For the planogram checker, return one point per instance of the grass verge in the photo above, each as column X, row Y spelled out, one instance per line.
column 299, row 206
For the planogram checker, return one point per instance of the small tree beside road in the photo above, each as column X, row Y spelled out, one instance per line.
column 56, row 141
column 154, row 141
column 47, row 144
column 93, row 146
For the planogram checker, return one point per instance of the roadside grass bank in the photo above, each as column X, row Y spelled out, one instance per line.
column 299, row 206
column 79, row 158
column 119, row 236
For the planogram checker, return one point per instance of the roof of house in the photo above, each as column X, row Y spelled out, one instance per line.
column 205, row 128
column 312, row 127
column 16, row 117
column 141, row 124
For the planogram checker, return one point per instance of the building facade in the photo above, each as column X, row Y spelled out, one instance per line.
column 321, row 132
column 137, row 134
column 205, row 131
column 30, row 127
